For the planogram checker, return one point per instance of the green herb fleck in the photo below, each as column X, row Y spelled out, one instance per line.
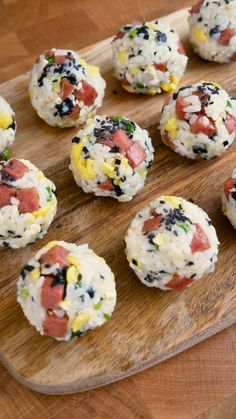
column 117, row 118
column 229, row 104
column 6, row 154
column 50, row 60
column 98, row 305
column 106, row 316
column 157, row 247
column 184, row 227
column 139, row 85
column 24, row 293
column 132, row 33
column 49, row 193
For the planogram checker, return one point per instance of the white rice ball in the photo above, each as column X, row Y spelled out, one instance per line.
column 7, row 125
column 148, row 58
column 229, row 199
column 111, row 156
column 171, row 243
column 213, row 30
column 64, row 89
column 66, row 290
column 199, row 121
column 28, row 203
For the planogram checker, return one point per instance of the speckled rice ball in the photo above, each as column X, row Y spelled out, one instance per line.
column 64, row 89
column 148, row 58
column 28, row 203
column 111, row 156
column 199, row 121
column 229, row 199
column 213, row 30
column 7, row 125
column 171, row 243
column 66, row 290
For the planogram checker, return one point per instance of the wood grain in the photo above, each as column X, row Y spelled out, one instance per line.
column 170, row 162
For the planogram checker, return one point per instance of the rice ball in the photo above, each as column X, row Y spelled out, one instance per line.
column 213, row 30
column 64, row 89
column 171, row 243
column 229, row 199
column 7, row 125
column 199, row 121
column 66, row 290
column 111, row 156
column 28, row 203
column 148, row 58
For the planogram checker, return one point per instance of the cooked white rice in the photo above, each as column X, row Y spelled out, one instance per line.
column 46, row 92
column 148, row 58
column 229, row 200
column 90, row 293
column 19, row 229
column 199, row 121
column 166, row 255
column 94, row 164
column 213, row 30
column 7, row 125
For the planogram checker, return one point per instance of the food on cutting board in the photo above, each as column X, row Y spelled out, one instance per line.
column 199, row 121
column 27, row 203
column 148, row 58
column 64, row 89
column 171, row 243
column 66, row 290
column 229, row 199
column 213, row 30
column 7, row 126
column 111, row 156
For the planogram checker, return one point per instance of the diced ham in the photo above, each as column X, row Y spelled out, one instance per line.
column 177, row 283
column 60, row 59
column 6, row 193
column 230, row 123
column 29, row 200
column 51, row 296
column 196, row 8
column 55, row 326
column 106, row 185
column 57, row 254
column 87, row 93
column 228, row 185
column 181, row 49
column 119, row 35
column 200, row 241
column 135, row 154
column 49, row 53
column 181, row 103
column 125, row 82
column 160, row 67
column 14, row 170
column 152, row 223
column 121, row 140
column 75, row 113
column 226, row 36
column 66, row 88
column 203, row 125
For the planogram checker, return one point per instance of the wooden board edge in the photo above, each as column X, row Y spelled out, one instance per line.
column 75, row 387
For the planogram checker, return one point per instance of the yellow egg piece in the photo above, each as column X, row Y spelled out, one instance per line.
column 5, row 120
column 42, row 212
column 71, row 275
column 73, row 260
column 128, row 88
column 51, row 244
column 151, row 92
column 122, row 56
column 80, row 321
column 171, row 127
column 65, row 305
column 35, row 274
column 152, row 25
column 85, row 169
column 200, row 35
column 173, row 200
column 134, row 71
column 108, row 170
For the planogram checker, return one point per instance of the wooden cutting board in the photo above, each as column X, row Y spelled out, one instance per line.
column 148, row 325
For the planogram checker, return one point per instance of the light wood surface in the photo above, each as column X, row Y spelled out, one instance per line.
column 198, row 381
column 148, row 325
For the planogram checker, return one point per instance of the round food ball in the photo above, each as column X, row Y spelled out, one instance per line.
column 199, row 121
column 148, row 58
column 7, row 125
column 213, row 30
column 229, row 199
column 64, row 89
column 66, row 290
column 27, row 203
column 111, row 156
column 171, row 243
